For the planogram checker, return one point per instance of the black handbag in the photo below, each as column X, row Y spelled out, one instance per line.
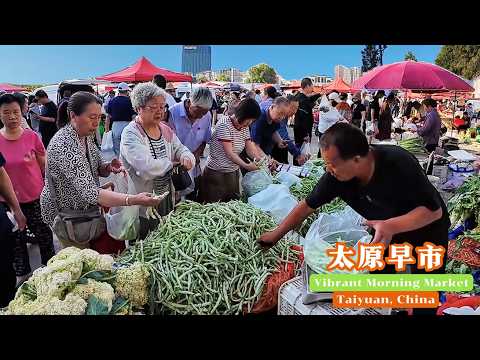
column 180, row 178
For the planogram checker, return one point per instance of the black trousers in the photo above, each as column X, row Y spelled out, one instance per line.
column 437, row 235
column 43, row 237
column 8, row 280
column 431, row 147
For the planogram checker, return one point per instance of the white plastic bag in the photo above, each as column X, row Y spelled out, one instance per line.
column 275, row 200
column 255, row 181
column 123, row 222
column 287, row 178
column 305, row 150
column 325, row 232
column 107, row 147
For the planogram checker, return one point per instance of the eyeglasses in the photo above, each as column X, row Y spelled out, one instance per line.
column 157, row 108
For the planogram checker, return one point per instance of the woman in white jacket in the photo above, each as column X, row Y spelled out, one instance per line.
column 149, row 149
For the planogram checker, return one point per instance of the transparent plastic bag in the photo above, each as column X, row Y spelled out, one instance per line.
column 326, row 231
column 306, row 150
column 123, row 222
column 287, row 178
column 275, row 200
column 255, row 181
column 107, row 147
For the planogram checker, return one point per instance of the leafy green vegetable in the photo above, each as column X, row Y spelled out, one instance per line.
column 95, row 306
column 119, row 305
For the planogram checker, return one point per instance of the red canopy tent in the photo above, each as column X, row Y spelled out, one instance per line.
column 11, row 88
column 338, row 85
column 144, row 70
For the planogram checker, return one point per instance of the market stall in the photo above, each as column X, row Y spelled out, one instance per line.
column 144, row 70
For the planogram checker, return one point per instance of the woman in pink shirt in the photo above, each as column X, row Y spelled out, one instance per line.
column 25, row 156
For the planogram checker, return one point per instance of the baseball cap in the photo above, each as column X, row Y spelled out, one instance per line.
column 334, row 96
column 123, row 87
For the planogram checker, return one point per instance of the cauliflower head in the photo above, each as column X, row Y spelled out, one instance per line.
column 92, row 260
column 56, row 278
column 132, row 284
column 48, row 305
column 64, row 254
column 101, row 290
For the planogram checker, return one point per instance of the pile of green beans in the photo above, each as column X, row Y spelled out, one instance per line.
column 204, row 259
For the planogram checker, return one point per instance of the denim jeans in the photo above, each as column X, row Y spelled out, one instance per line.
column 117, row 128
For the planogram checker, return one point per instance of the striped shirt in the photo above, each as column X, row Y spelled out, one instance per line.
column 218, row 159
column 158, row 151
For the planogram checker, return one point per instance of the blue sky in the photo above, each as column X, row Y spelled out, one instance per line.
column 50, row 64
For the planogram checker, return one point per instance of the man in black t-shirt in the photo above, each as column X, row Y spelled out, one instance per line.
column 47, row 117
column 358, row 112
column 303, row 124
column 384, row 183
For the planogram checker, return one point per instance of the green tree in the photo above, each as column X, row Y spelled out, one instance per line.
column 463, row 60
column 381, row 49
column 223, row 77
column 262, row 73
column 410, row 56
column 369, row 58
column 372, row 56
column 200, row 78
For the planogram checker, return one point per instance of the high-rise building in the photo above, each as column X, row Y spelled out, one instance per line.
column 349, row 75
column 344, row 73
column 196, row 58
column 356, row 73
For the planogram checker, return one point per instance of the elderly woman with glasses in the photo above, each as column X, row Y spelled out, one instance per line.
column 192, row 122
column 149, row 149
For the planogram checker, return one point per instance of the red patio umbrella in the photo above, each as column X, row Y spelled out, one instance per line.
column 11, row 88
column 412, row 75
column 144, row 70
column 338, row 85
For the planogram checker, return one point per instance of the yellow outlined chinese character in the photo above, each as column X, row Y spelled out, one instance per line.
column 430, row 256
column 370, row 257
column 341, row 254
column 400, row 255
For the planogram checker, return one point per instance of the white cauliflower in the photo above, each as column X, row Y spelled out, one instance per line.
column 132, row 284
column 101, row 290
column 48, row 305
column 55, row 279
column 92, row 260
column 64, row 254
column 105, row 262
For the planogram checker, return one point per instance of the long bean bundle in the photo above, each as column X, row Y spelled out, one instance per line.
column 413, row 145
column 204, row 259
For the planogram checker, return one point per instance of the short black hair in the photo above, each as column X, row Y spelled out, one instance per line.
column 306, row 82
column 22, row 98
column 271, row 92
column 248, row 108
column 257, row 91
column 67, row 93
column 41, row 94
column 343, row 96
column 160, row 81
column 348, row 139
column 31, row 99
column 291, row 97
column 10, row 99
column 430, row 102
